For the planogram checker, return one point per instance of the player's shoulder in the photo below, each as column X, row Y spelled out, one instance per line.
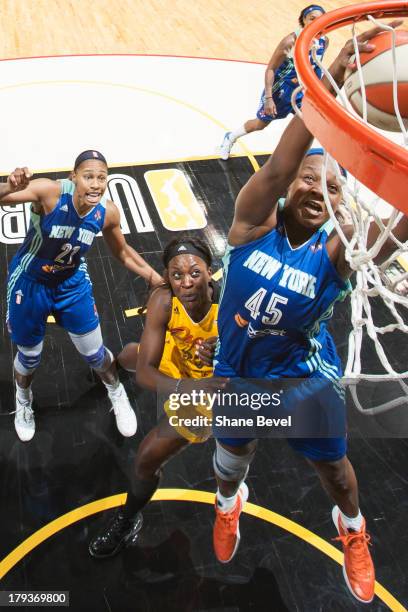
column 160, row 302
column 285, row 46
column 45, row 186
column 45, row 193
column 289, row 40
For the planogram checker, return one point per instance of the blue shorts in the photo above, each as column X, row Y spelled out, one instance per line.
column 282, row 99
column 316, row 449
column 30, row 302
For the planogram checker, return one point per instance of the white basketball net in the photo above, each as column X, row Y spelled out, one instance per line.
column 388, row 281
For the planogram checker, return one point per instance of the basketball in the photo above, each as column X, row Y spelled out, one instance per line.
column 377, row 68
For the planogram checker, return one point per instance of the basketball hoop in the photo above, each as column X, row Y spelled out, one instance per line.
column 380, row 165
column 374, row 160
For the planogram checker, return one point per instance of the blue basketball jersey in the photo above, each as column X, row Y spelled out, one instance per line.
column 56, row 243
column 286, row 72
column 274, row 307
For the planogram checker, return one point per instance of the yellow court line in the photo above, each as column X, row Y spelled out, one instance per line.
column 183, row 495
column 195, row 109
column 135, row 312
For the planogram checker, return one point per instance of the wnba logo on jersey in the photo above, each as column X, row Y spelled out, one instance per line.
column 240, row 321
column 19, row 296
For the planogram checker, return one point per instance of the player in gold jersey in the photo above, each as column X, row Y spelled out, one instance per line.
column 176, row 345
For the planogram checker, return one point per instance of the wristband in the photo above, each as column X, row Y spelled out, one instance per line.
column 268, row 97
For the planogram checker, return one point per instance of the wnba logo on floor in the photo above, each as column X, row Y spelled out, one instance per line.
column 161, row 196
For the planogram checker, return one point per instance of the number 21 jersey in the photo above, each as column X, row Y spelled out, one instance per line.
column 56, row 242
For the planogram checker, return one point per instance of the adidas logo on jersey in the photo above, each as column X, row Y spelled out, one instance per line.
column 182, row 248
column 64, row 207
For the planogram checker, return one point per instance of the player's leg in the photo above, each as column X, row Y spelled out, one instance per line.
column 76, row 312
column 328, row 457
column 231, row 460
column 127, row 357
column 156, row 449
column 28, row 306
column 339, row 481
column 252, row 125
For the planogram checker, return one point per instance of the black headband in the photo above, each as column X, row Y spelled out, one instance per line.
column 186, row 248
column 89, row 155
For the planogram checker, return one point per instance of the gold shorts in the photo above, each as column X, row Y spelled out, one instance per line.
column 192, row 422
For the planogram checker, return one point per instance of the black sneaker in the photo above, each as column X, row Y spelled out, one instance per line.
column 117, row 533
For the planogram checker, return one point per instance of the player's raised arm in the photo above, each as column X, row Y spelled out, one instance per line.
column 256, row 203
column 20, row 188
column 257, row 200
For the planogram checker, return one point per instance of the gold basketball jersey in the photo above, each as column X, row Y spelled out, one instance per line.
column 179, row 359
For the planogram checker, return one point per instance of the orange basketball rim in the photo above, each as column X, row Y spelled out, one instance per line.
column 373, row 159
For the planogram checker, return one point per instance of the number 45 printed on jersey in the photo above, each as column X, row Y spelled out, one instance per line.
column 254, row 302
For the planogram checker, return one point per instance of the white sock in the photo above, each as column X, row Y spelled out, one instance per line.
column 354, row 523
column 23, row 395
column 241, row 131
column 225, row 504
column 115, row 388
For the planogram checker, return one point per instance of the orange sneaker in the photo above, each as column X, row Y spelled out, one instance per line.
column 226, row 527
column 358, row 567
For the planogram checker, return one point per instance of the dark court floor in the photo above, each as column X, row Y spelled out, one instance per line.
column 77, row 456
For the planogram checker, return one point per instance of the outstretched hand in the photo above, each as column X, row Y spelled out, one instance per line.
column 343, row 60
column 19, row 179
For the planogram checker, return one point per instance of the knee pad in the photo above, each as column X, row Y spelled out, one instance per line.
column 92, row 349
column 101, row 360
column 230, row 467
column 28, row 358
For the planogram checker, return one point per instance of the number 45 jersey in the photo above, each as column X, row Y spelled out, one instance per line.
column 275, row 304
column 56, row 243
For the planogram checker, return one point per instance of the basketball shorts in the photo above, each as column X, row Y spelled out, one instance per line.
column 316, row 449
column 192, row 422
column 282, row 98
column 30, row 303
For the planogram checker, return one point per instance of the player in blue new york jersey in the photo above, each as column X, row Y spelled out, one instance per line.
column 284, row 271
column 280, row 82
column 48, row 275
